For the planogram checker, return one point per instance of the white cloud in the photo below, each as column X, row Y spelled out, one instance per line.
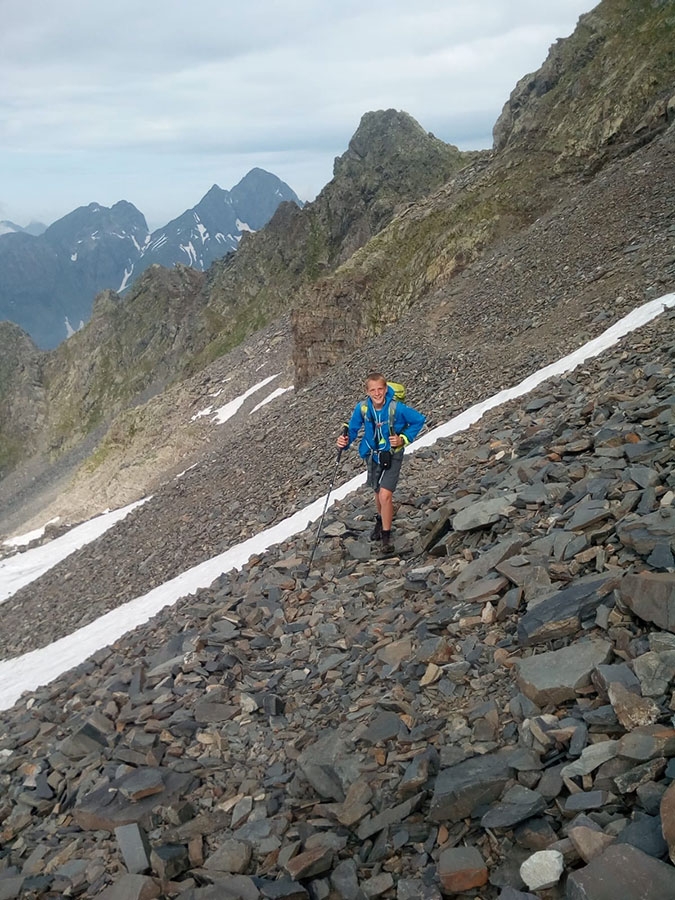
column 110, row 101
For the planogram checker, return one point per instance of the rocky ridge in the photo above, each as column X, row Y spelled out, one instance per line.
column 487, row 714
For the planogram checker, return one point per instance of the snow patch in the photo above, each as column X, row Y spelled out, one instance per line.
column 226, row 412
column 22, row 568
column 185, row 471
column 202, row 412
column 70, row 331
column 190, row 251
column 158, row 242
column 125, row 281
column 273, row 396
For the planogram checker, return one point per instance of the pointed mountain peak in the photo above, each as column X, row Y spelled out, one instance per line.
column 214, row 191
column 387, row 133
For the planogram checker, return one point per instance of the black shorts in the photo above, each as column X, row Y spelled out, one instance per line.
column 386, row 478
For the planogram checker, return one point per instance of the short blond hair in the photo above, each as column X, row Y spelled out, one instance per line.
column 376, row 376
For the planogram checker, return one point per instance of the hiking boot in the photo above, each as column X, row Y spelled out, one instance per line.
column 387, row 544
column 376, row 533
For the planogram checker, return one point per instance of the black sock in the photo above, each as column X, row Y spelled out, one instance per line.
column 386, row 536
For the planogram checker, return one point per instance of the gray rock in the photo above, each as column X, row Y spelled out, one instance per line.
column 622, row 871
column 134, row 847
column 231, row 856
column 655, row 672
column 542, row 870
column 555, row 676
column 651, row 596
column 517, row 804
column 132, row 887
column 648, row 742
column 464, row 787
column 561, row 614
column 644, row 832
column 482, row 513
column 107, row 808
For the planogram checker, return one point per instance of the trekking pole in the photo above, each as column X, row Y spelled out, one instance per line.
column 345, row 432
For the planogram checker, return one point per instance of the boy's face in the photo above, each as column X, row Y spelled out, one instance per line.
column 377, row 391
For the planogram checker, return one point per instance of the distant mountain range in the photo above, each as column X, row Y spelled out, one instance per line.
column 50, row 276
column 7, row 227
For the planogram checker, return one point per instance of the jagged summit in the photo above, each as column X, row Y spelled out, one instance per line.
column 215, row 225
column 385, row 134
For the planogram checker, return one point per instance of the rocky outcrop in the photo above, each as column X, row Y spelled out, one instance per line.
column 127, row 348
column 22, row 405
column 562, row 107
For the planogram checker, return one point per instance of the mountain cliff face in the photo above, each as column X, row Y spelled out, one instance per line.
column 601, row 93
column 22, row 396
column 48, row 282
column 129, row 351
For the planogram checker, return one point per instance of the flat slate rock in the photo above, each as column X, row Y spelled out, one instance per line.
column 464, row 787
column 624, row 872
column 555, row 676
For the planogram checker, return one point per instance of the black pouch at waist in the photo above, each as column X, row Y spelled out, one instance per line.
column 385, row 459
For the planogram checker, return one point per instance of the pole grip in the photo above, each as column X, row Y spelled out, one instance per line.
column 344, row 433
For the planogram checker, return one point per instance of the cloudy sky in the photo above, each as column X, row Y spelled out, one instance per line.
column 154, row 102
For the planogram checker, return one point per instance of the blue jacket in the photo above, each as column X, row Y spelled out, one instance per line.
column 407, row 423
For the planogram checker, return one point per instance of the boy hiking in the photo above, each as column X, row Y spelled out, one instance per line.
column 388, row 427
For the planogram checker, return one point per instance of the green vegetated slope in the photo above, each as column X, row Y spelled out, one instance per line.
column 129, row 347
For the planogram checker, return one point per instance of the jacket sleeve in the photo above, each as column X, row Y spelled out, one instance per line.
column 412, row 422
column 355, row 423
